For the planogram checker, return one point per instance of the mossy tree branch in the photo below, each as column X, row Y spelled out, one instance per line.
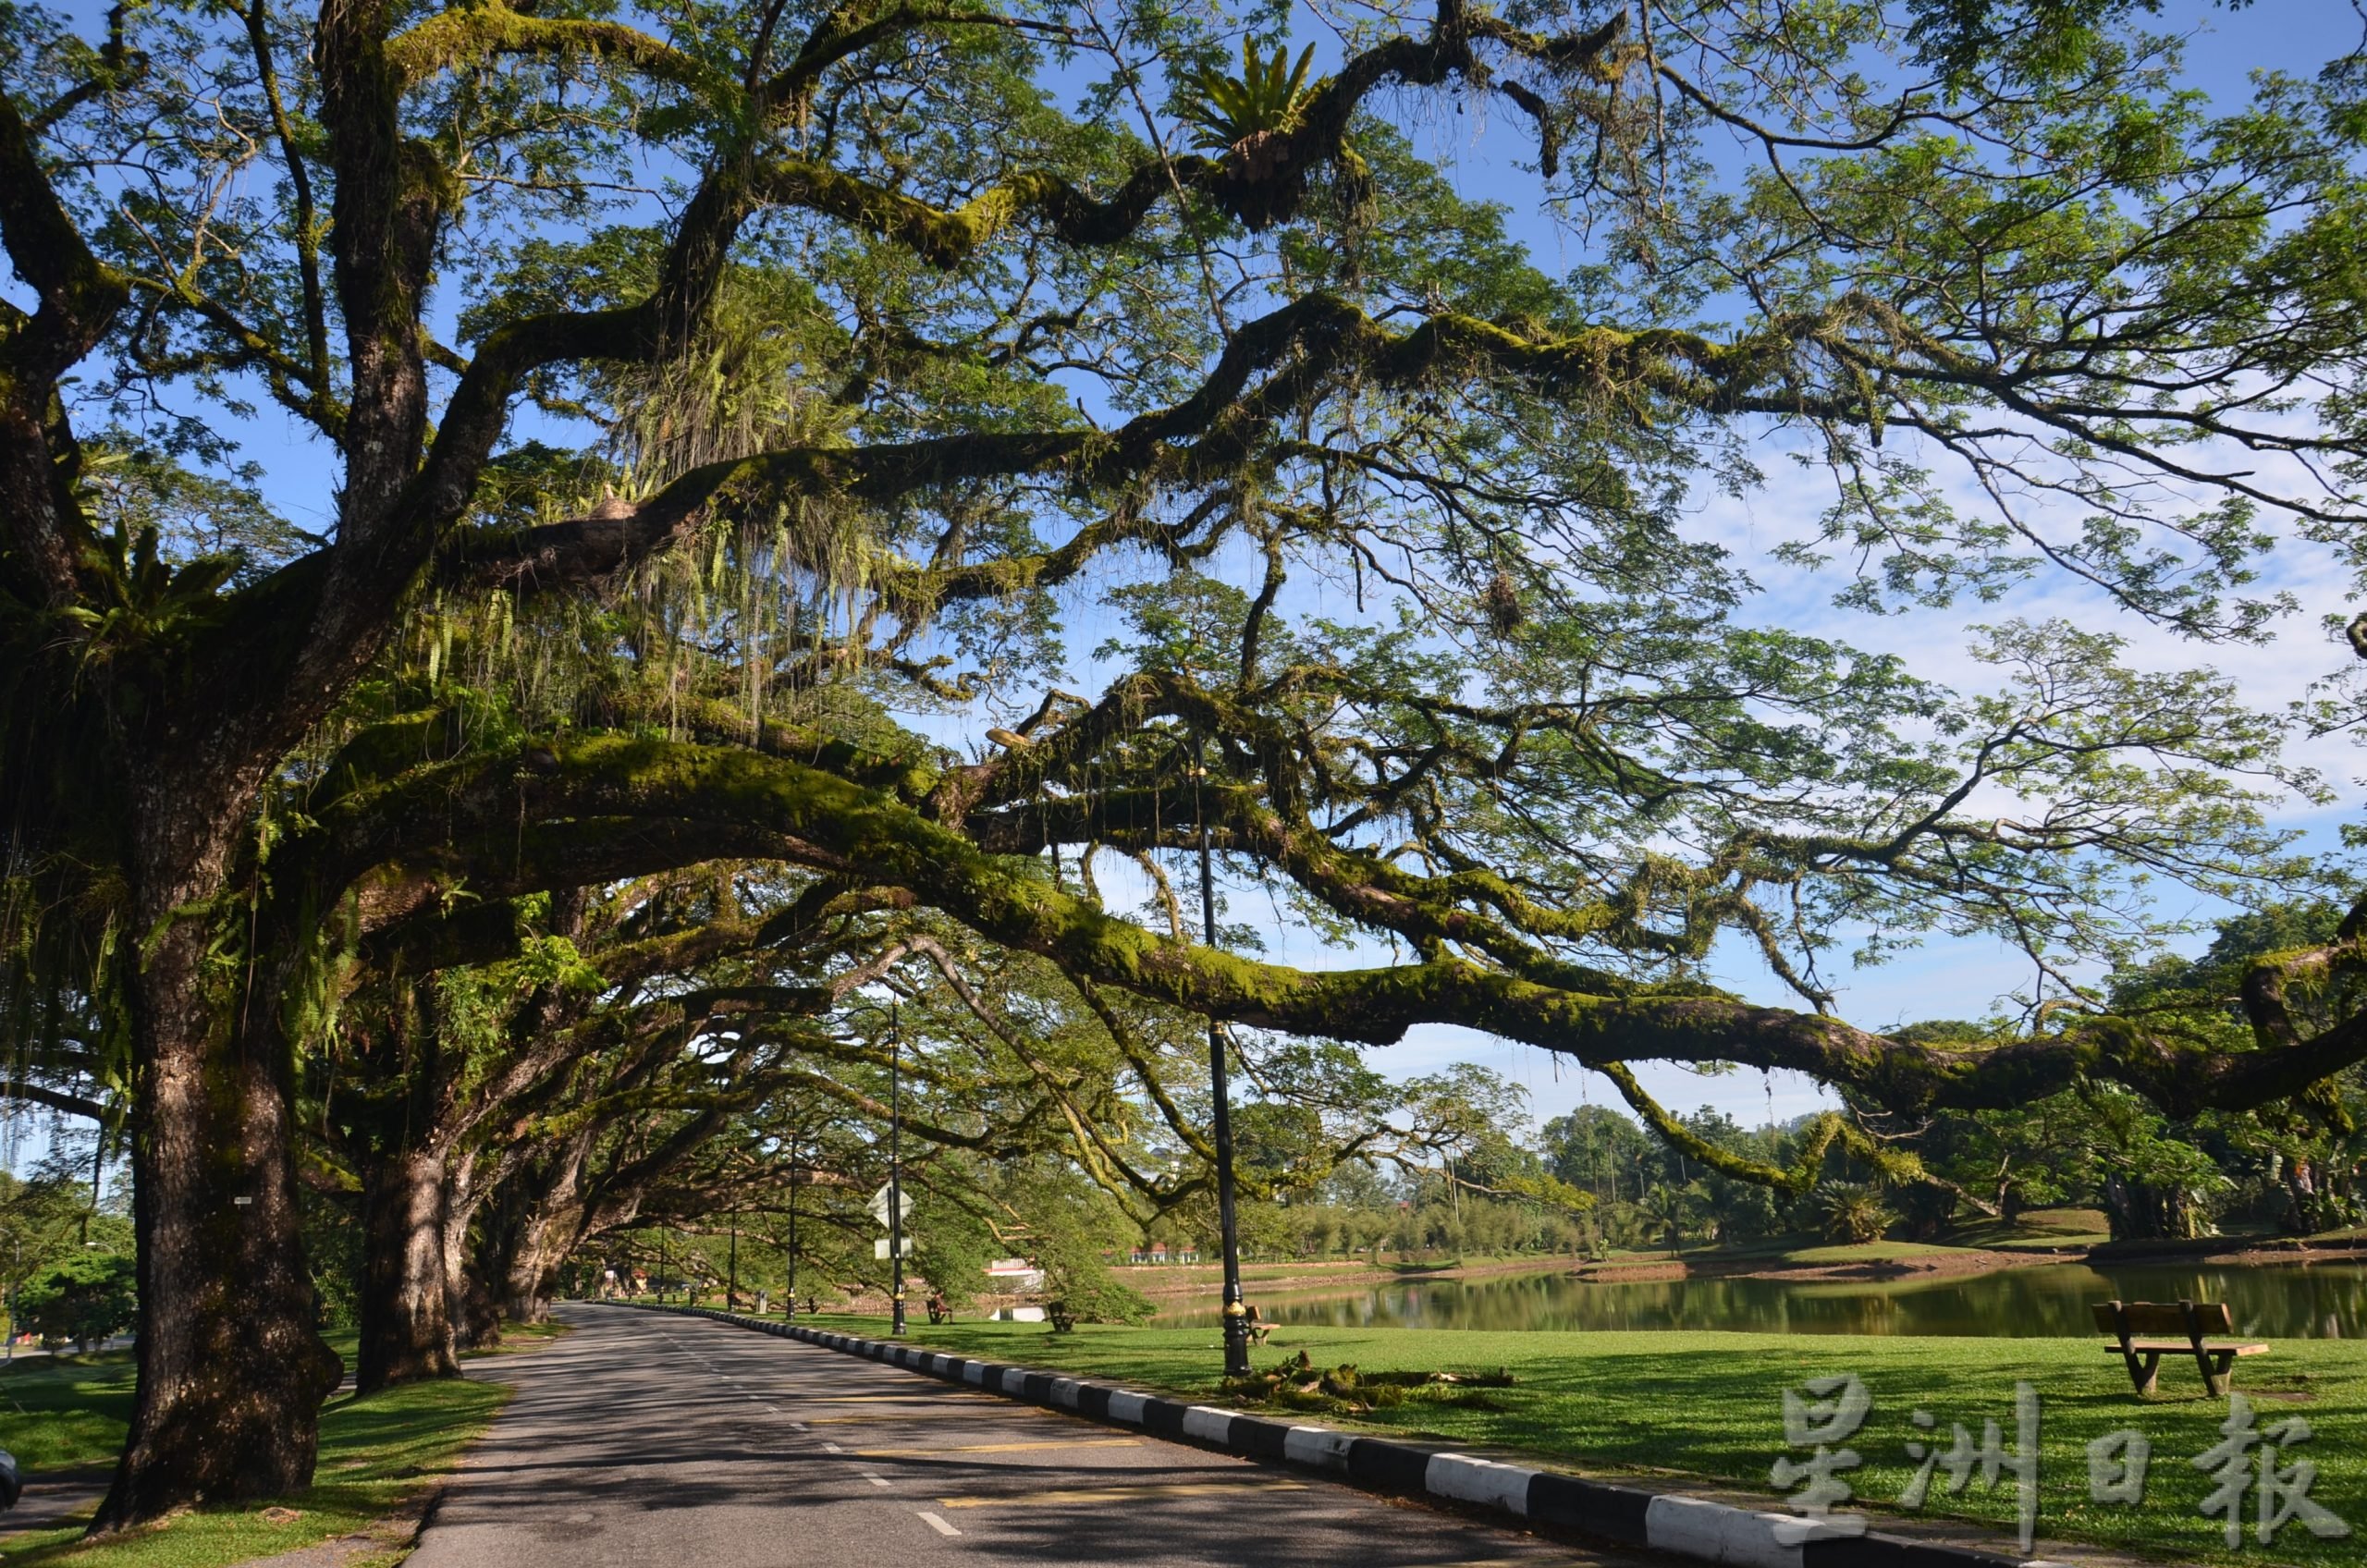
column 79, row 297
column 825, row 821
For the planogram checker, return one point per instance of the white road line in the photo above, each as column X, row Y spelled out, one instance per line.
column 833, row 1447
column 801, row 1426
column 939, row 1526
column 880, row 1481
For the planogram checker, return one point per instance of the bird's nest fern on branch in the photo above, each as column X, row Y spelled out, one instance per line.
column 1231, row 112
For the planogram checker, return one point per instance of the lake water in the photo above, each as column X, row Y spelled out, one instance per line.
column 2325, row 1301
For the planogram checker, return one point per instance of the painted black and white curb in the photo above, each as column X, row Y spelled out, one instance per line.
column 1683, row 1527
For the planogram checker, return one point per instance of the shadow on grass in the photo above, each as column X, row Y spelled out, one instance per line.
column 516, row 1337
column 65, row 1411
column 1709, row 1405
column 376, row 1455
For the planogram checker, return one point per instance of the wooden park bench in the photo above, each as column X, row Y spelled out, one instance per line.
column 2139, row 1331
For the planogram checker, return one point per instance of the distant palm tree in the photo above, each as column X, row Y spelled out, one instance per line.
column 1851, row 1211
column 1668, row 1210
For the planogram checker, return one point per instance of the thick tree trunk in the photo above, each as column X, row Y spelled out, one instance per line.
column 2142, row 1211
column 232, row 1366
column 536, row 1220
column 401, row 1137
column 406, row 1325
column 543, row 1241
column 475, row 1306
column 525, row 1241
column 479, row 1327
column 468, row 1306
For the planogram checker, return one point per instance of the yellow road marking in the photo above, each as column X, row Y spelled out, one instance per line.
column 949, row 1398
column 996, row 1447
column 906, row 1416
column 1086, row 1494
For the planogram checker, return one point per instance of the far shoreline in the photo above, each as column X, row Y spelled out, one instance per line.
column 1893, row 1261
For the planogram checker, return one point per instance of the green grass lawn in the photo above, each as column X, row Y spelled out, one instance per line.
column 1794, row 1252
column 2040, row 1230
column 2049, row 1230
column 65, row 1411
column 516, row 1337
column 1868, row 1252
column 377, row 1454
column 1709, row 1404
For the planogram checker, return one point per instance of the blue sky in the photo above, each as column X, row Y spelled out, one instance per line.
column 1480, row 149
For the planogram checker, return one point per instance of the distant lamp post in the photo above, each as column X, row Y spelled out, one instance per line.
column 895, row 1175
column 790, row 1313
column 1237, row 1313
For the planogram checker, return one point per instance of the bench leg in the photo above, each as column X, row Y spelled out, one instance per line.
column 2144, row 1369
column 2217, row 1379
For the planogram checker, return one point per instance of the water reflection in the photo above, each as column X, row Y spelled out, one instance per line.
column 2324, row 1302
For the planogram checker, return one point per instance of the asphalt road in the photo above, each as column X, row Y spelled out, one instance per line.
column 642, row 1439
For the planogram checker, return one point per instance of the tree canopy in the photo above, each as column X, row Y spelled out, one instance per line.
column 719, row 409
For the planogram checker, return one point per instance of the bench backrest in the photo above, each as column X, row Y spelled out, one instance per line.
column 2163, row 1316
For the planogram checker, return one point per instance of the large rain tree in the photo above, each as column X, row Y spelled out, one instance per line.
column 858, row 347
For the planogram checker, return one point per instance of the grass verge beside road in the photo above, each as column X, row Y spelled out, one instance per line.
column 377, row 1456
column 1709, row 1405
column 65, row 1411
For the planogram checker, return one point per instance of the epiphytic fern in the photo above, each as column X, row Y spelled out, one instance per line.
column 1267, row 95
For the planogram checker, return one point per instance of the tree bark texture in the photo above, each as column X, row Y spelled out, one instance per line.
column 232, row 1365
column 543, row 1242
column 406, row 1322
column 536, row 1221
column 468, row 1306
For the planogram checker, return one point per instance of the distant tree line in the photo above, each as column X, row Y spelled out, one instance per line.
column 2151, row 1175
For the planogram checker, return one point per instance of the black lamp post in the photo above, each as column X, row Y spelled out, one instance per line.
column 791, row 1314
column 1236, row 1315
column 731, row 1286
column 895, row 1175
